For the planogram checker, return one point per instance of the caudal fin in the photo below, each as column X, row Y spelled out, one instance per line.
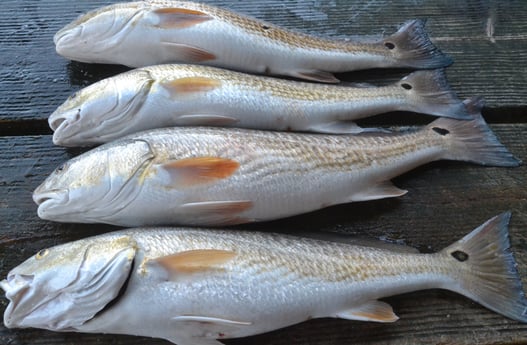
column 429, row 93
column 472, row 141
column 412, row 47
column 487, row 270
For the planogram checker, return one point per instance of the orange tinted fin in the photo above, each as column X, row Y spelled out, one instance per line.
column 217, row 213
column 179, row 18
column 193, row 261
column 315, row 75
column 190, row 85
column 372, row 311
column 188, row 53
column 192, row 171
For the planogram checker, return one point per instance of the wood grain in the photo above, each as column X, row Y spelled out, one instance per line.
column 488, row 40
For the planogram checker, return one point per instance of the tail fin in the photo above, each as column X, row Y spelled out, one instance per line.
column 488, row 274
column 429, row 93
column 412, row 47
column 472, row 141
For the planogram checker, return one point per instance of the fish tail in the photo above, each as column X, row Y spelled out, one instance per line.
column 472, row 141
column 412, row 47
column 486, row 271
column 429, row 93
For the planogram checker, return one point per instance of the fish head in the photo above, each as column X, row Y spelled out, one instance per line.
column 96, row 32
column 102, row 111
column 62, row 287
column 96, row 184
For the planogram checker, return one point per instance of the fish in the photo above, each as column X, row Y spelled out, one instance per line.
column 193, row 95
column 213, row 176
column 194, row 286
column 143, row 33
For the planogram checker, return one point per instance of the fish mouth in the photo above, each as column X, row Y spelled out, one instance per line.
column 47, row 201
column 16, row 287
column 56, row 122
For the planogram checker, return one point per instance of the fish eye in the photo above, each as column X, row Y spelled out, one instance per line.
column 41, row 254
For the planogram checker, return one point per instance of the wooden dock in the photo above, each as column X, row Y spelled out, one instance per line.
column 488, row 41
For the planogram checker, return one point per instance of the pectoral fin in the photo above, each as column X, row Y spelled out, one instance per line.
column 198, row 170
column 193, row 261
column 208, row 319
column 188, row 53
column 190, row 85
column 380, row 191
column 206, row 120
column 372, row 311
column 179, row 18
column 315, row 75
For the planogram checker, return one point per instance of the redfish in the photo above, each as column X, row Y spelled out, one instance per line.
column 223, row 176
column 143, row 33
column 192, row 95
column 193, row 286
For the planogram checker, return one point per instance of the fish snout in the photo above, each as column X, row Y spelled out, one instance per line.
column 64, row 124
column 15, row 283
column 16, row 287
column 48, row 198
column 65, row 39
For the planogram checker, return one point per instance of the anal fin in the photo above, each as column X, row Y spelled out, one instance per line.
column 376, row 311
column 380, row 191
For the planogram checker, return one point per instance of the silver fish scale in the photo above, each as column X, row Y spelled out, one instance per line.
column 306, row 151
column 301, row 257
column 277, row 87
column 266, row 30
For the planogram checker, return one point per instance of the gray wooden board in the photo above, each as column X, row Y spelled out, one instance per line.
column 445, row 201
column 486, row 38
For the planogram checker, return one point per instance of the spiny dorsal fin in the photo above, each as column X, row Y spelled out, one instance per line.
column 179, row 18
column 193, row 261
column 192, row 171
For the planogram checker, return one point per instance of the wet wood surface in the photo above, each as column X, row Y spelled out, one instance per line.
column 488, row 40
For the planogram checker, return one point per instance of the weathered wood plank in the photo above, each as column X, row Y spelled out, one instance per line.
column 487, row 39
column 445, row 201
